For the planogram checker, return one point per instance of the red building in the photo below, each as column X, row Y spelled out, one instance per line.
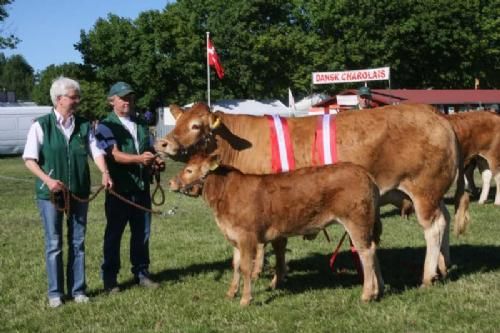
column 447, row 101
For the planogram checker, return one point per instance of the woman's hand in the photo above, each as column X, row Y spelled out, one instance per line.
column 106, row 180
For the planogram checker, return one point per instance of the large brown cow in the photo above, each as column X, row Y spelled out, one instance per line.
column 406, row 148
column 256, row 209
column 478, row 133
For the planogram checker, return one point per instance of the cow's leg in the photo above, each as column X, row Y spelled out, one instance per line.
column 444, row 257
column 435, row 224
column 259, row 261
column 235, row 283
column 279, row 246
column 248, row 249
column 497, row 181
column 469, row 177
column 486, row 175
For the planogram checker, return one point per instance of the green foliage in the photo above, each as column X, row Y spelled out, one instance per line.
column 16, row 75
column 192, row 261
column 41, row 91
column 93, row 104
column 10, row 41
column 268, row 46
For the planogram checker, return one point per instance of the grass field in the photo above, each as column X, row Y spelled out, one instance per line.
column 192, row 262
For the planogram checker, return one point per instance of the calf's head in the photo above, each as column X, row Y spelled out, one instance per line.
column 190, row 179
column 192, row 126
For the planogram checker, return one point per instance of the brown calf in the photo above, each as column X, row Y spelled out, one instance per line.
column 251, row 210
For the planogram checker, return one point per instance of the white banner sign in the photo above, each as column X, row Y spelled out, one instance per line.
column 347, row 100
column 373, row 74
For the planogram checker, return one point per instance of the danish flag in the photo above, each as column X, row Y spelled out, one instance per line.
column 213, row 59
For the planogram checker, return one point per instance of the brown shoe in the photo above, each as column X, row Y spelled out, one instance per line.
column 111, row 287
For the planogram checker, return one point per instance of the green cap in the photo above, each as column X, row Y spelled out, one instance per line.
column 120, row 89
column 364, row 91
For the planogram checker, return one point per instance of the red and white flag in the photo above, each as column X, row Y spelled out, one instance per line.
column 213, row 59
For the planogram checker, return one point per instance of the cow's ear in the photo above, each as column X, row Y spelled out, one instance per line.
column 213, row 121
column 176, row 111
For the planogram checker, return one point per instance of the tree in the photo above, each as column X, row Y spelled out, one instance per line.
column 17, row 75
column 268, row 46
column 93, row 104
column 41, row 91
column 9, row 41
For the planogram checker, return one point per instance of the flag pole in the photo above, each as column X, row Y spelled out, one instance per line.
column 208, row 71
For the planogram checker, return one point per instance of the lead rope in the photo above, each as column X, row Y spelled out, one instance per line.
column 67, row 195
column 354, row 253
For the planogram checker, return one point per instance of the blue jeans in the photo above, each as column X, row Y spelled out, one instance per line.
column 118, row 214
column 53, row 226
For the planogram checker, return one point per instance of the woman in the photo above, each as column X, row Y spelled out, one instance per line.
column 56, row 152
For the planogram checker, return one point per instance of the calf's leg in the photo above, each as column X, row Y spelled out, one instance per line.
column 279, row 246
column 248, row 249
column 235, row 282
column 259, row 261
column 362, row 236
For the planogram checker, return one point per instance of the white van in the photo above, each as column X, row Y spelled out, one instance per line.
column 15, row 122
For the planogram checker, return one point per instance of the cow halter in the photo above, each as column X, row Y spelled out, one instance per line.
column 188, row 187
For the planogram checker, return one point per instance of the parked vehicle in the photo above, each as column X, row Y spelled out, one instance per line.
column 15, row 122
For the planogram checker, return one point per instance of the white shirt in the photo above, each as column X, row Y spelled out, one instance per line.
column 34, row 140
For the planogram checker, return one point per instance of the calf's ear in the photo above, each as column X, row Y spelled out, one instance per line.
column 176, row 111
column 213, row 162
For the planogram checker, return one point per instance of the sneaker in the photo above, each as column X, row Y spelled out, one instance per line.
column 82, row 298
column 55, row 302
column 146, row 282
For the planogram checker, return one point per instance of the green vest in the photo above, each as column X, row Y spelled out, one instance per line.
column 63, row 160
column 128, row 177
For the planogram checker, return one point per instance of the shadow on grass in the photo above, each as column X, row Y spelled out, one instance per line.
column 401, row 269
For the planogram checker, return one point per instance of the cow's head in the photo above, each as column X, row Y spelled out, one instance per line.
column 191, row 178
column 192, row 127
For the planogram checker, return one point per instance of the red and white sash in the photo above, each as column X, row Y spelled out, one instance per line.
column 324, row 146
column 282, row 158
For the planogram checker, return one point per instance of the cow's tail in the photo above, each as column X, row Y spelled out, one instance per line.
column 462, row 217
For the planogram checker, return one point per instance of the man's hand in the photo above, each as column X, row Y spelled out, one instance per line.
column 146, row 158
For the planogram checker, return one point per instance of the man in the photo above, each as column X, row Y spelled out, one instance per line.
column 364, row 98
column 126, row 140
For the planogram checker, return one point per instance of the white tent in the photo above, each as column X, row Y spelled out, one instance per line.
column 252, row 107
column 302, row 107
column 166, row 121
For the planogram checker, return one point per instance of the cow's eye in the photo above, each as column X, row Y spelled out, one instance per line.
column 189, row 171
column 195, row 127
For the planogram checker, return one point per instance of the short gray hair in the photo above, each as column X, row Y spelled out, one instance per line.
column 61, row 86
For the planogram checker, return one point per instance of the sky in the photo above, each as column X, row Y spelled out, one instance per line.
column 48, row 29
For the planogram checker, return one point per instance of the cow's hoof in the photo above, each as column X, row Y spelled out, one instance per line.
column 230, row 294
column 245, row 302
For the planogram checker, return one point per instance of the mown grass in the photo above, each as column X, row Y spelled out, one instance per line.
column 193, row 263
